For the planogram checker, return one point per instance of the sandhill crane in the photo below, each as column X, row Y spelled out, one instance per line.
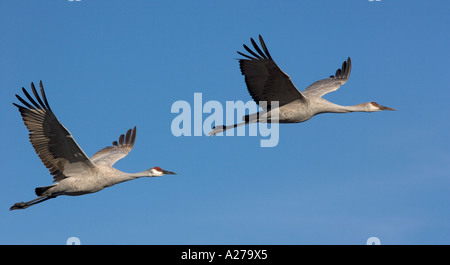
column 74, row 173
column 266, row 82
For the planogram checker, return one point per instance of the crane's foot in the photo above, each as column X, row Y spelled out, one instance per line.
column 19, row 205
column 217, row 129
column 23, row 205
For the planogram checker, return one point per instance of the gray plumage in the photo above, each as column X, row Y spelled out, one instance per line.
column 267, row 83
column 73, row 171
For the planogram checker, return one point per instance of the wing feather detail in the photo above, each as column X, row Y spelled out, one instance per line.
column 52, row 142
column 332, row 83
column 264, row 79
column 109, row 155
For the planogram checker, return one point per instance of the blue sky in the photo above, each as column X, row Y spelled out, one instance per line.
column 337, row 179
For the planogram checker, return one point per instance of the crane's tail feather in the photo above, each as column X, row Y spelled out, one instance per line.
column 40, row 190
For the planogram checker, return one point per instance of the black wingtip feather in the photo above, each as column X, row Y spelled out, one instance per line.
column 128, row 137
column 349, row 66
column 43, row 95
column 258, row 49
column 344, row 71
column 263, row 45
column 23, row 102
column 245, row 55
column 259, row 54
column 252, row 52
column 38, row 98
column 36, row 105
column 133, row 136
column 18, row 106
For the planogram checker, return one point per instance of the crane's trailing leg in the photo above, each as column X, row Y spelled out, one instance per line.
column 222, row 128
column 24, row 205
column 252, row 118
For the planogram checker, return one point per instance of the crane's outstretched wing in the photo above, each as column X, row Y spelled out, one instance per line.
column 331, row 84
column 52, row 142
column 265, row 80
column 111, row 154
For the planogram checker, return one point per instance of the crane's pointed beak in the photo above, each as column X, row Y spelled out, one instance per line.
column 169, row 172
column 380, row 107
column 386, row 108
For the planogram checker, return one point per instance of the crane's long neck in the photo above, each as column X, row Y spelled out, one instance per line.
column 354, row 108
column 120, row 176
column 137, row 175
column 334, row 108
